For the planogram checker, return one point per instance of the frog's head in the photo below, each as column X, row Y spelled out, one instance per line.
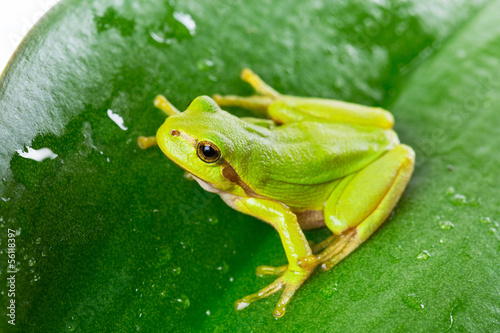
column 201, row 140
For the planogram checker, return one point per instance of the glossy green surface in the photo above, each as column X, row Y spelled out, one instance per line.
column 113, row 238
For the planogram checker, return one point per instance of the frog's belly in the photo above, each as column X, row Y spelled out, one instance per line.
column 308, row 219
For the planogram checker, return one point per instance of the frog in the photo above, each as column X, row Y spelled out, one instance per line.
column 302, row 163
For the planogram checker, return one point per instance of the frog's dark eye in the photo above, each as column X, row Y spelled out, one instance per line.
column 208, row 152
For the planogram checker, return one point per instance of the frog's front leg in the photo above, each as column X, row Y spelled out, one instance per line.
column 294, row 243
column 285, row 109
column 362, row 202
column 162, row 103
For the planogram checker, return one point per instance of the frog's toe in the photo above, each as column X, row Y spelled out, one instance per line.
column 290, row 288
column 290, row 281
column 270, row 270
column 145, row 142
column 269, row 290
column 330, row 246
column 324, row 243
column 339, row 250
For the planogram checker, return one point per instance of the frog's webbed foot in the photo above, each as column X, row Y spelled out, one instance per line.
column 290, row 282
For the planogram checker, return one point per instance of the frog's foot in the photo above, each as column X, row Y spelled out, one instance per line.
column 290, row 282
column 260, row 102
column 162, row 103
column 255, row 103
column 257, row 83
column 333, row 258
column 270, row 270
column 324, row 243
column 145, row 142
column 335, row 248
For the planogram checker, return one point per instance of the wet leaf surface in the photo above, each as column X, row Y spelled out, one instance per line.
column 113, row 238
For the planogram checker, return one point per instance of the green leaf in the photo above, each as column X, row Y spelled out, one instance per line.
column 113, row 238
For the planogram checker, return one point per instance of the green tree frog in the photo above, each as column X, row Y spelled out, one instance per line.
column 312, row 163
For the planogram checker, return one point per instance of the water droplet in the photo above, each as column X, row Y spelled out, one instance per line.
column 36, row 277
column 177, row 270
column 38, row 240
column 187, row 21
column 442, row 241
column 38, row 155
column 231, row 279
column 112, row 19
column 208, row 312
column 446, row 225
column 204, row 64
column 413, row 302
column 224, row 268
column 423, row 255
column 32, row 261
column 213, row 220
column 70, row 327
column 117, row 119
column 177, row 27
column 160, row 38
column 183, row 301
column 458, row 199
column 328, row 290
column 485, row 220
column 492, row 231
column 450, row 190
column 240, row 304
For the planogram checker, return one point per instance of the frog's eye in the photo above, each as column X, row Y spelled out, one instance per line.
column 208, row 152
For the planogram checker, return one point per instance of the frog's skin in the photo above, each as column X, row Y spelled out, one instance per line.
column 315, row 162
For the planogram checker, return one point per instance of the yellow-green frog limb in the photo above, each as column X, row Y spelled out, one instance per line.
column 315, row 162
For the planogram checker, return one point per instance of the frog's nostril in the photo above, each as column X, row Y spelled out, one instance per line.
column 174, row 132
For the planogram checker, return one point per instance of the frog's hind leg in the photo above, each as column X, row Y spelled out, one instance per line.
column 284, row 109
column 260, row 102
column 363, row 204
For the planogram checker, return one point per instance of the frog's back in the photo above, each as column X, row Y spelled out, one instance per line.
column 310, row 157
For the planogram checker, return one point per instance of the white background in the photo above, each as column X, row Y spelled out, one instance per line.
column 16, row 18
